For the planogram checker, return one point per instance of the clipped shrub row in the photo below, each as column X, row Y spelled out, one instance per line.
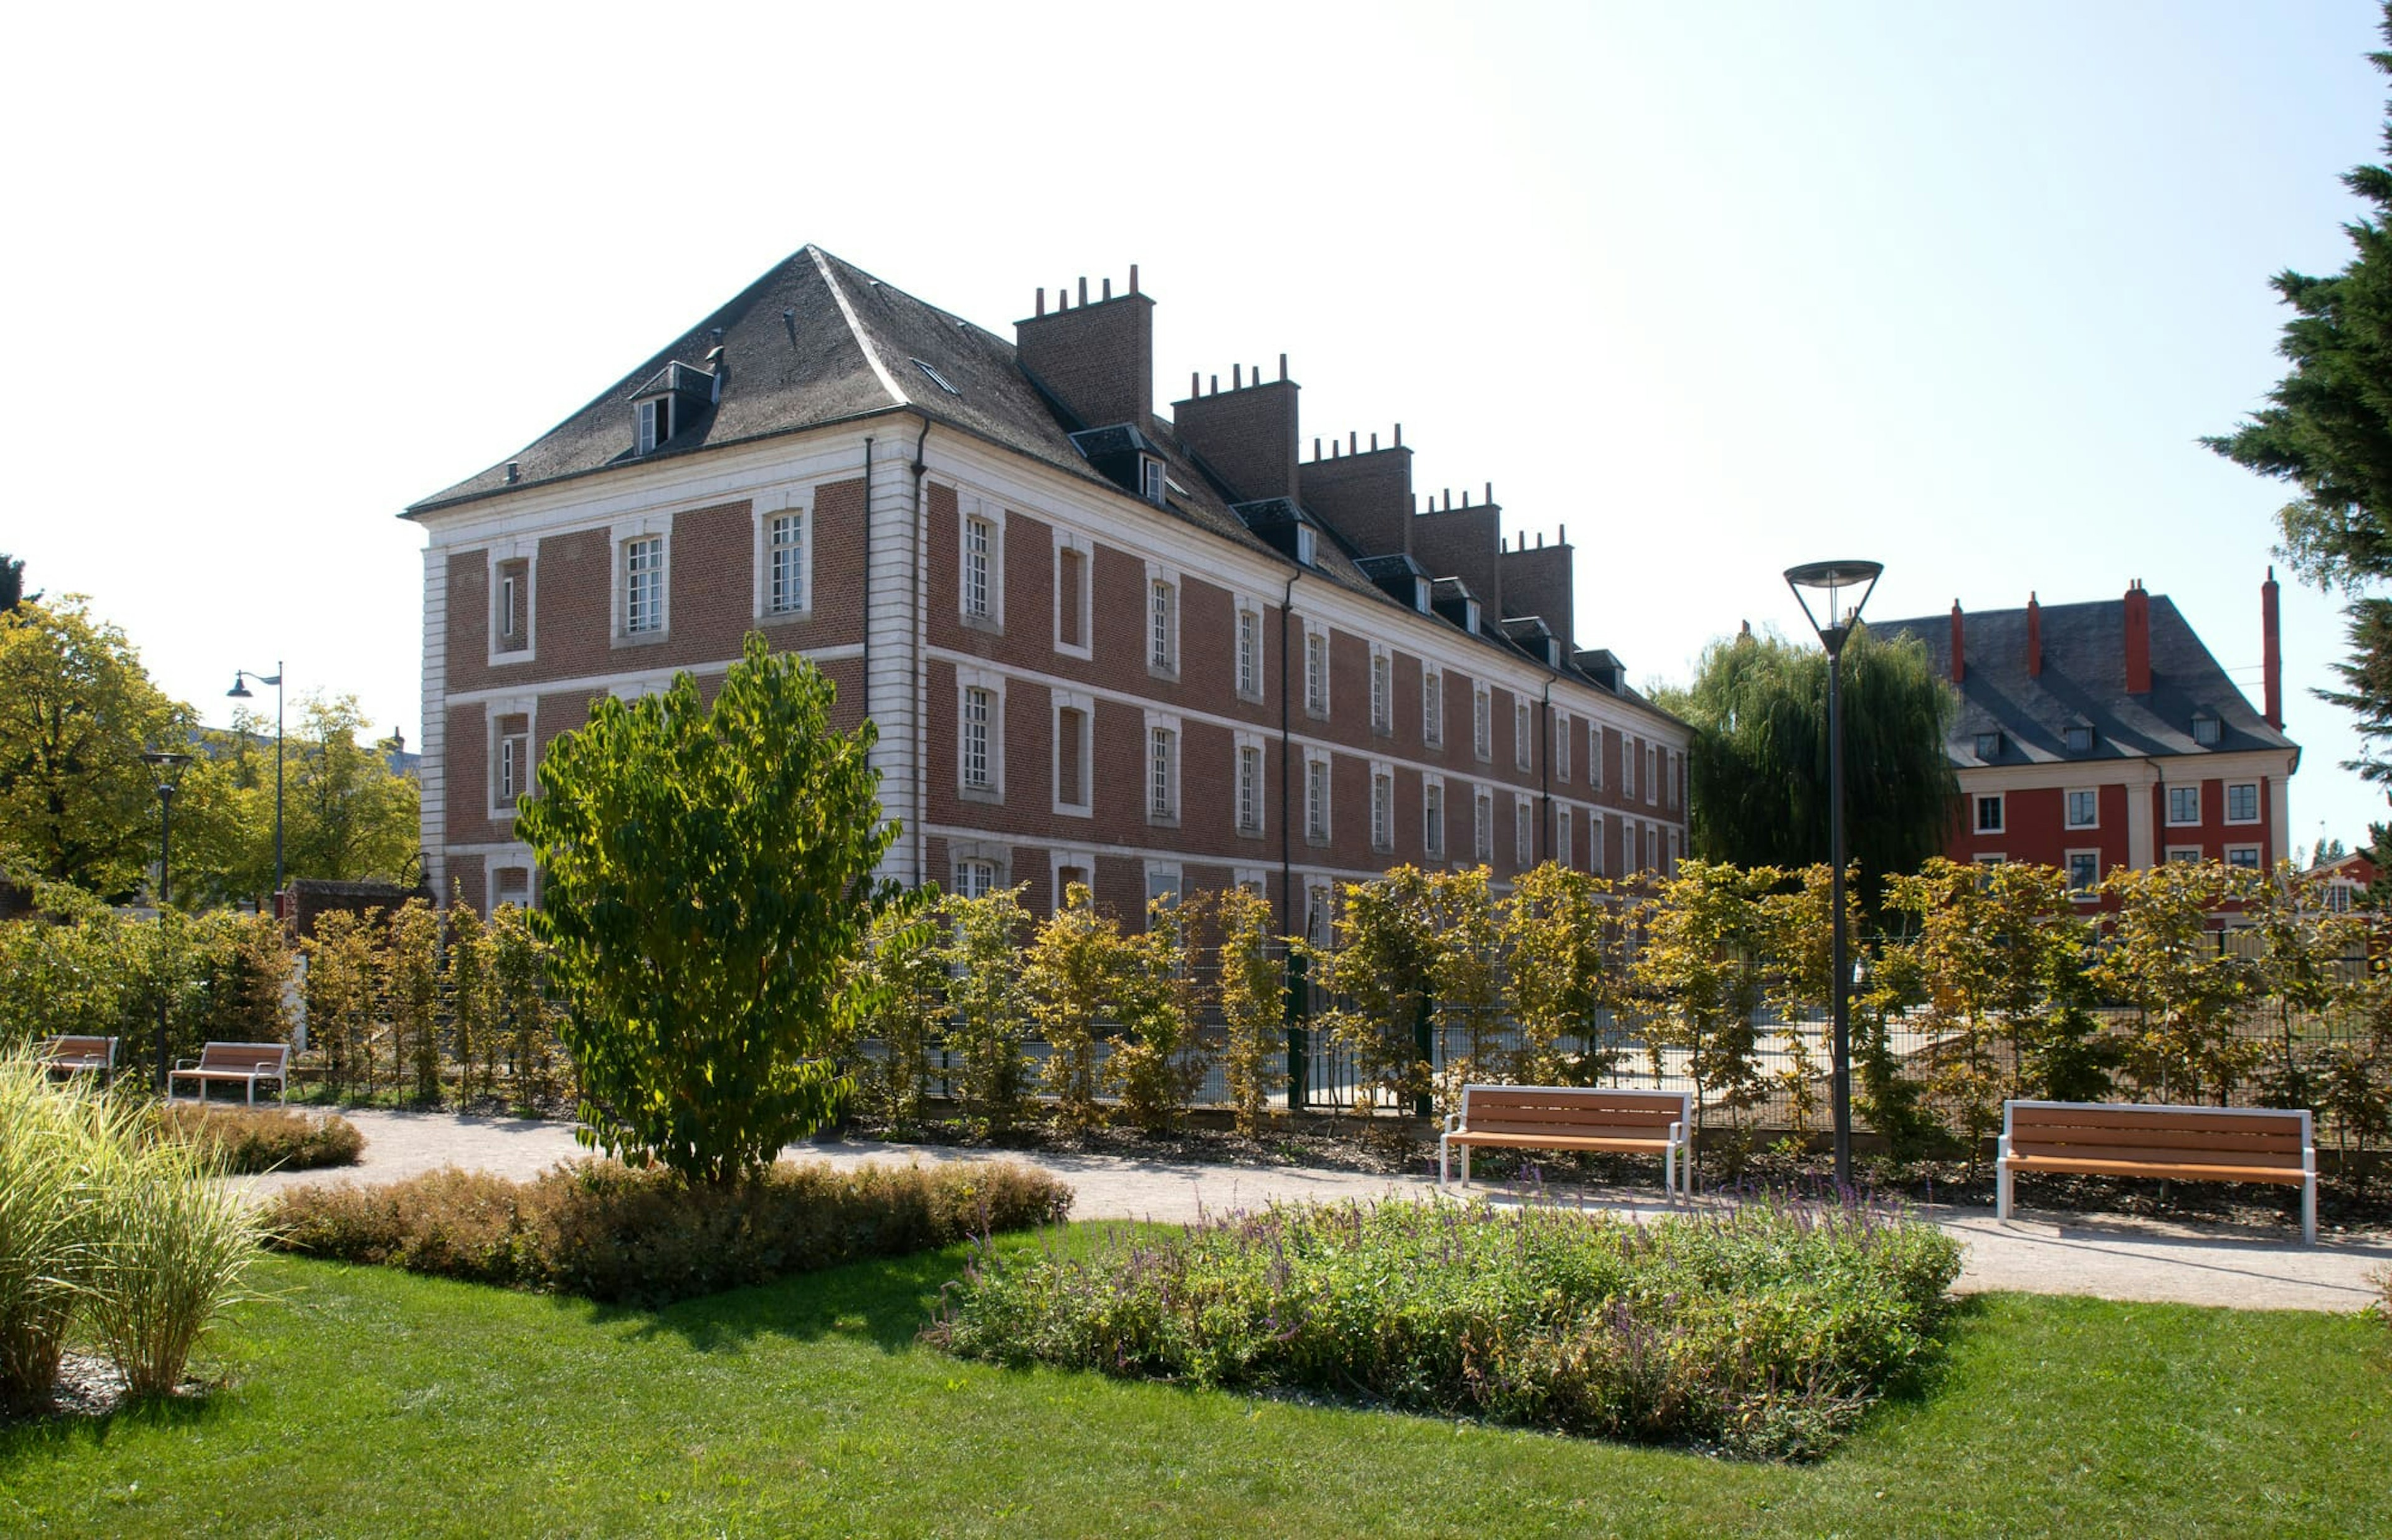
column 247, row 1142
column 618, row 1234
column 1765, row 1331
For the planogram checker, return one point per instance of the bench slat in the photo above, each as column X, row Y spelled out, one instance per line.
column 2157, row 1155
column 1559, row 1141
column 2191, row 1120
column 1514, row 1112
column 2293, row 1175
column 2272, row 1137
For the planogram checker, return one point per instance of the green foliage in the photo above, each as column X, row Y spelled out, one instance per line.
column 1757, row 771
column 903, row 976
column 984, row 1021
column 1382, row 970
column 1157, row 1067
column 46, row 1191
column 1465, row 974
column 525, row 1019
column 12, row 582
column 1070, row 980
column 1559, row 937
column 339, row 995
column 614, row 1233
column 472, row 984
column 1764, row 1331
column 2163, row 958
column 1253, row 994
column 709, row 881
column 1702, row 970
column 411, row 993
column 245, row 1140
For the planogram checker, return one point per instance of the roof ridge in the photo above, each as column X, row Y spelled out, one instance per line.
column 856, row 326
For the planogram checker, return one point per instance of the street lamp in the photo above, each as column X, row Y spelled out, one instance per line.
column 1833, row 578
column 169, row 768
column 240, row 692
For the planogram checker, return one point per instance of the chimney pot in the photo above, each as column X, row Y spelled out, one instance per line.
column 1315, row 446
column 1236, row 379
column 1490, row 491
column 1374, row 444
column 1133, row 278
column 1084, row 288
column 2138, row 640
column 1399, row 435
column 1108, row 289
column 2271, row 655
column 2033, row 637
column 1195, row 384
column 1216, row 385
column 1282, row 366
column 1959, row 648
column 1042, row 301
column 1561, row 537
column 1353, row 442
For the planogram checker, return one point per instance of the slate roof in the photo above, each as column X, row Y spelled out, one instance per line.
column 817, row 341
column 2083, row 679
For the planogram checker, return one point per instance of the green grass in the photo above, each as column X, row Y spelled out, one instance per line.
column 369, row 1401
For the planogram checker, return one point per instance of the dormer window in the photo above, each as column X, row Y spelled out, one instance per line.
column 2205, row 730
column 1989, row 746
column 1470, row 615
column 2080, row 738
column 654, row 418
column 1419, row 594
column 1307, row 551
column 1150, row 479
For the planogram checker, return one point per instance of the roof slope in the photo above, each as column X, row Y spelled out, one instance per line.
column 2083, row 680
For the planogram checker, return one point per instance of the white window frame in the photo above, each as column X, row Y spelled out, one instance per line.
column 1594, row 757
column 2183, row 852
column 1316, row 670
column 1432, row 705
column 1152, row 479
column 622, row 535
column 1320, row 910
column 2258, row 804
column 1161, row 633
column 2068, row 867
column 1627, row 768
column 767, row 512
column 1068, row 700
column 1249, row 803
column 528, row 708
column 2068, row 807
column 2256, row 862
column 518, row 859
column 1562, row 746
column 1320, row 784
column 968, row 680
column 990, row 514
column 1597, row 831
column 2001, row 824
column 1383, row 689
column 1077, row 859
column 1482, row 825
column 1433, row 830
column 652, row 424
column 1564, row 837
column 1158, row 787
column 994, row 859
column 500, row 555
column 1523, row 733
column 1246, row 647
column 1482, row 719
column 1652, row 774
column 1524, row 831
column 2170, row 819
column 1382, row 807
column 1085, row 607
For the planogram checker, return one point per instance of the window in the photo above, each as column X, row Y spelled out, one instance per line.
column 1319, row 900
column 1074, row 746
column 1595, row 755
column 2184, row 804
column 1315, row 798
column 1627, row 768
column 643, row 585
column 975, row 879
column 1989, row 814
column 1162, row 625
column 1149, row 479
column 2242, row 802
column 979, row 555
column 512, row 766
column 1074, row 871
column 1561, row 745
column 2205, row 730
column 1071, row 616
column 1432, row 706
column 1524, row 833
column 2084, row 871
column 1162, row 773
column 654, row 420
column 1594, row 838
column 1383, row 691
column 2083, row 810
column 511, row 630
column 1565, row 850
column 1316, row 670
column 1307, row 547
column 512, row 885
column 1482, row 826
column 1382, row 809
column 1520, row 733
column 1674, row 764
column 1629, row 865
column 1433, row 819
column 2080, row 738
column 979, row 761
column 2245, row 855
column 1250, row 652
column 1250, row 788
column 1480, row 733
column 785, row 576
column 1652, row 775
column 1989, row 746
column 2184, row 852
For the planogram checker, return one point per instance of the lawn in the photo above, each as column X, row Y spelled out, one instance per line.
column 370, row 1402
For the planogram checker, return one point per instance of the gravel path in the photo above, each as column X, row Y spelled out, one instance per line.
column 2114, row 1257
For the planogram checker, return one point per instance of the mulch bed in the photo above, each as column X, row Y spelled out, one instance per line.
column 88, row 1386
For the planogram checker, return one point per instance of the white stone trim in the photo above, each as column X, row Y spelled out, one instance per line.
column 1085, row 705
column 765, row 508
column 498, row 555
column 619, row 535
column 1071, row 540
column 968, row 680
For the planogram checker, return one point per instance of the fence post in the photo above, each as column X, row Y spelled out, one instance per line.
column 1298, row 1012
column 1425, row 1104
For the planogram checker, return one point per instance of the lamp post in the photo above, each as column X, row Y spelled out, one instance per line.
column 1833, row 578
column 170, row 771
column 240, row 692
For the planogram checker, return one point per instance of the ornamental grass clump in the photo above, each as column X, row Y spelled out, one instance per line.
column 44, row 1153
column 1765, row 1331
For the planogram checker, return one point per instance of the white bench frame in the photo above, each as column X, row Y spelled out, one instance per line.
column 1677, row 1152
column 272, row 1064
column 2308, row 1184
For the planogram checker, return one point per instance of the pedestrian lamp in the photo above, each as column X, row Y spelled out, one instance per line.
column 241, row 692
column 169, row 770
column 1834, row 581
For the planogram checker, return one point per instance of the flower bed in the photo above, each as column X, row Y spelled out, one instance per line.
column 609, row 1233
column 263, row 1140
column 1765, row 1331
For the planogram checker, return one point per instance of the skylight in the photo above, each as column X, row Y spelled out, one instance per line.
column 936, row 378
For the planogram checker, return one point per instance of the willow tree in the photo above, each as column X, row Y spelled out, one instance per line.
column 1757, row 773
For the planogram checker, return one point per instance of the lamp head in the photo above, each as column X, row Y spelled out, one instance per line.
column 1833, row 579
column 240, row 690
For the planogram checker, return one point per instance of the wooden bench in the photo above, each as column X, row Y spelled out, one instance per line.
column 246, row 1062
column 2189, row 1143
column 1574, row 1118
column 73, row 1055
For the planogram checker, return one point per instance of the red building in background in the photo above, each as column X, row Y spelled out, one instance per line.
column 2102, row 734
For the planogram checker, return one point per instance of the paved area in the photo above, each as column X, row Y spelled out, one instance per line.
column 2109, row 1256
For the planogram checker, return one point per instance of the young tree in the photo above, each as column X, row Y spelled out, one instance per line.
column 472, row 1002
column 12, row 582
column 339, row 996
column 1465, row 974
column 1252, row 990
column 1702, row 960
column 1158, row 1065
column 1757, row 772
column 1557, row 930
column 707, row 883
column 77, row 805
column 348, row 816
column 984, row 1008
column 410, row 991
column 2164, row 958
column 1383, row 973
column 524, row 1017
column 1071, row 981
column 2301, row 946
column 904, row 980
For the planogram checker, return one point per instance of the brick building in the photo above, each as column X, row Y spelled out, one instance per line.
column 2103, row 734
column 1101, row 645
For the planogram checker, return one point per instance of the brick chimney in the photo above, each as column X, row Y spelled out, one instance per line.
column 2271, row 654
column 1097, row 359
column 1959, row 647
column 2138, row 640
column 1464, row 542
column 2033, row 637
column 1365, row 495
column 1245, row 434
column 1540, row 582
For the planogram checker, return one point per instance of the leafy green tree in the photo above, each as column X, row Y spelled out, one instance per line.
column 1757, row 771
column 1701, row 969
column 472, row 1000
column 2164, row 957
column 338, row 992
column 707, row 883
column 77, row 805
column 2327, row 431
column 12, row 582
column 1160, row 1062
column 411, row 993
column 905, row 978
column 1253, row 994
column 1383, row 973
column 1466, row 974
column 525, row 1016
column 348, row 816
column 1070, row 982
column 2298, row 945
column 1557, row 929
column 985, row 1011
